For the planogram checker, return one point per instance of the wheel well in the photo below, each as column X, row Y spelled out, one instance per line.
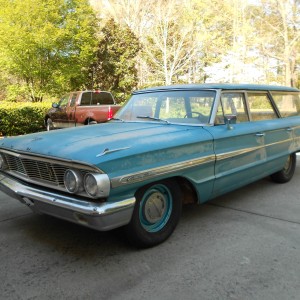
column 88, row 120
column 188, row 191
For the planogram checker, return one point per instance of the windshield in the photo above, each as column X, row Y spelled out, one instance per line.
column 184, row 107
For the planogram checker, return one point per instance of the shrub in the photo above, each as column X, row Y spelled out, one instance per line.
column 22, row 118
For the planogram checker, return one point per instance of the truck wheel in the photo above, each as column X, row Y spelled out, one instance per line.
column 90, row 122
column 49, row 124
column 156, row 214
column 288, row 170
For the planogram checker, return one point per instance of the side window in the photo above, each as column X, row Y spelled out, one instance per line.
column 86, row 98
column 73, row 100
column 260, row 107
column 287, row 104
column 64, row 101
column 103, row 98
column 232, row 104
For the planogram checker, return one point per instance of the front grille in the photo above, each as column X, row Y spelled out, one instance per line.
column 37, row 170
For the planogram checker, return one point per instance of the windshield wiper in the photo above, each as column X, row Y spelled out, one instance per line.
column 116, row 119
column 152, row 118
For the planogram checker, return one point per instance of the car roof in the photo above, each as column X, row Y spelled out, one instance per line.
column 222, row 86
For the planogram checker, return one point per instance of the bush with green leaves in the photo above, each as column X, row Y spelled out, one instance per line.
column 22, row 118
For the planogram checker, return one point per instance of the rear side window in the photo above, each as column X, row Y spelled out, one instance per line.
column 261, row 107
column 96, row 98
column 287, row 104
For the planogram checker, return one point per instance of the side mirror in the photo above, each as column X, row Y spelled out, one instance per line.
column 55, row 105
column 230, row 119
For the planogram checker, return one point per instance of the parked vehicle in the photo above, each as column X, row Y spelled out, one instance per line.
column 166, row 147
column 81, row 108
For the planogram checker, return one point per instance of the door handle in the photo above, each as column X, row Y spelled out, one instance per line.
column 289, row 129
column 260, row 134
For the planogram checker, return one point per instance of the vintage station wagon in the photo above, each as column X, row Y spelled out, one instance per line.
column 166, row 147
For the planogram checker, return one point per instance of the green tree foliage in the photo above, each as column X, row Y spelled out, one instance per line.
column 46, row 44
column 115, row 69
column 212, row 40
column 277, row 26
column 168, row 47
column 213, row 34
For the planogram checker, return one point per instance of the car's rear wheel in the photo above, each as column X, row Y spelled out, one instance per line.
column 288, row 170
column 156, row 214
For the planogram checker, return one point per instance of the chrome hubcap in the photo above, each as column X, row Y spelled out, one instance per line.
column 155, row 207
column 287, row 164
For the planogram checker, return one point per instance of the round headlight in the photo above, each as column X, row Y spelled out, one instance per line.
column 73, row 181
column 90, row 185
column 96, row 185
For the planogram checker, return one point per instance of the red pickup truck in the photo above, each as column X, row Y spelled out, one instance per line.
column 81, row 108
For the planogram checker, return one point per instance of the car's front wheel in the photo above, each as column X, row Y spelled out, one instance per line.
column 288, row 170
column 156, row 213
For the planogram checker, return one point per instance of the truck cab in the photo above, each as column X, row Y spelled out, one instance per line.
column 81, row 108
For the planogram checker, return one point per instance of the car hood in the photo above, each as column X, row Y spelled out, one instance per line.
column 100, row 144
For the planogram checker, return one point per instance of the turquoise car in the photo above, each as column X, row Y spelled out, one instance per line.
column 167, row 146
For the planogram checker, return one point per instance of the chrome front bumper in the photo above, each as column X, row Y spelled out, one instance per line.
column 100, row 216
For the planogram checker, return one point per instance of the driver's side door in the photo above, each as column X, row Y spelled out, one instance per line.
column 239, row 146
column 59, row 116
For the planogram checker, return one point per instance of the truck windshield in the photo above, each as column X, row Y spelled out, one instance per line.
column 184, row 107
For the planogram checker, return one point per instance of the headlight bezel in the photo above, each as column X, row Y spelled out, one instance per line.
column 92, row 185
column 101, row 185
column 2, row 162
column 78, row 181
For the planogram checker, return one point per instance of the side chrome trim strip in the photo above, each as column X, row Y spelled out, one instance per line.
column 155, row 172
column 237, row 153
column 291, row 140
column 248, row 150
